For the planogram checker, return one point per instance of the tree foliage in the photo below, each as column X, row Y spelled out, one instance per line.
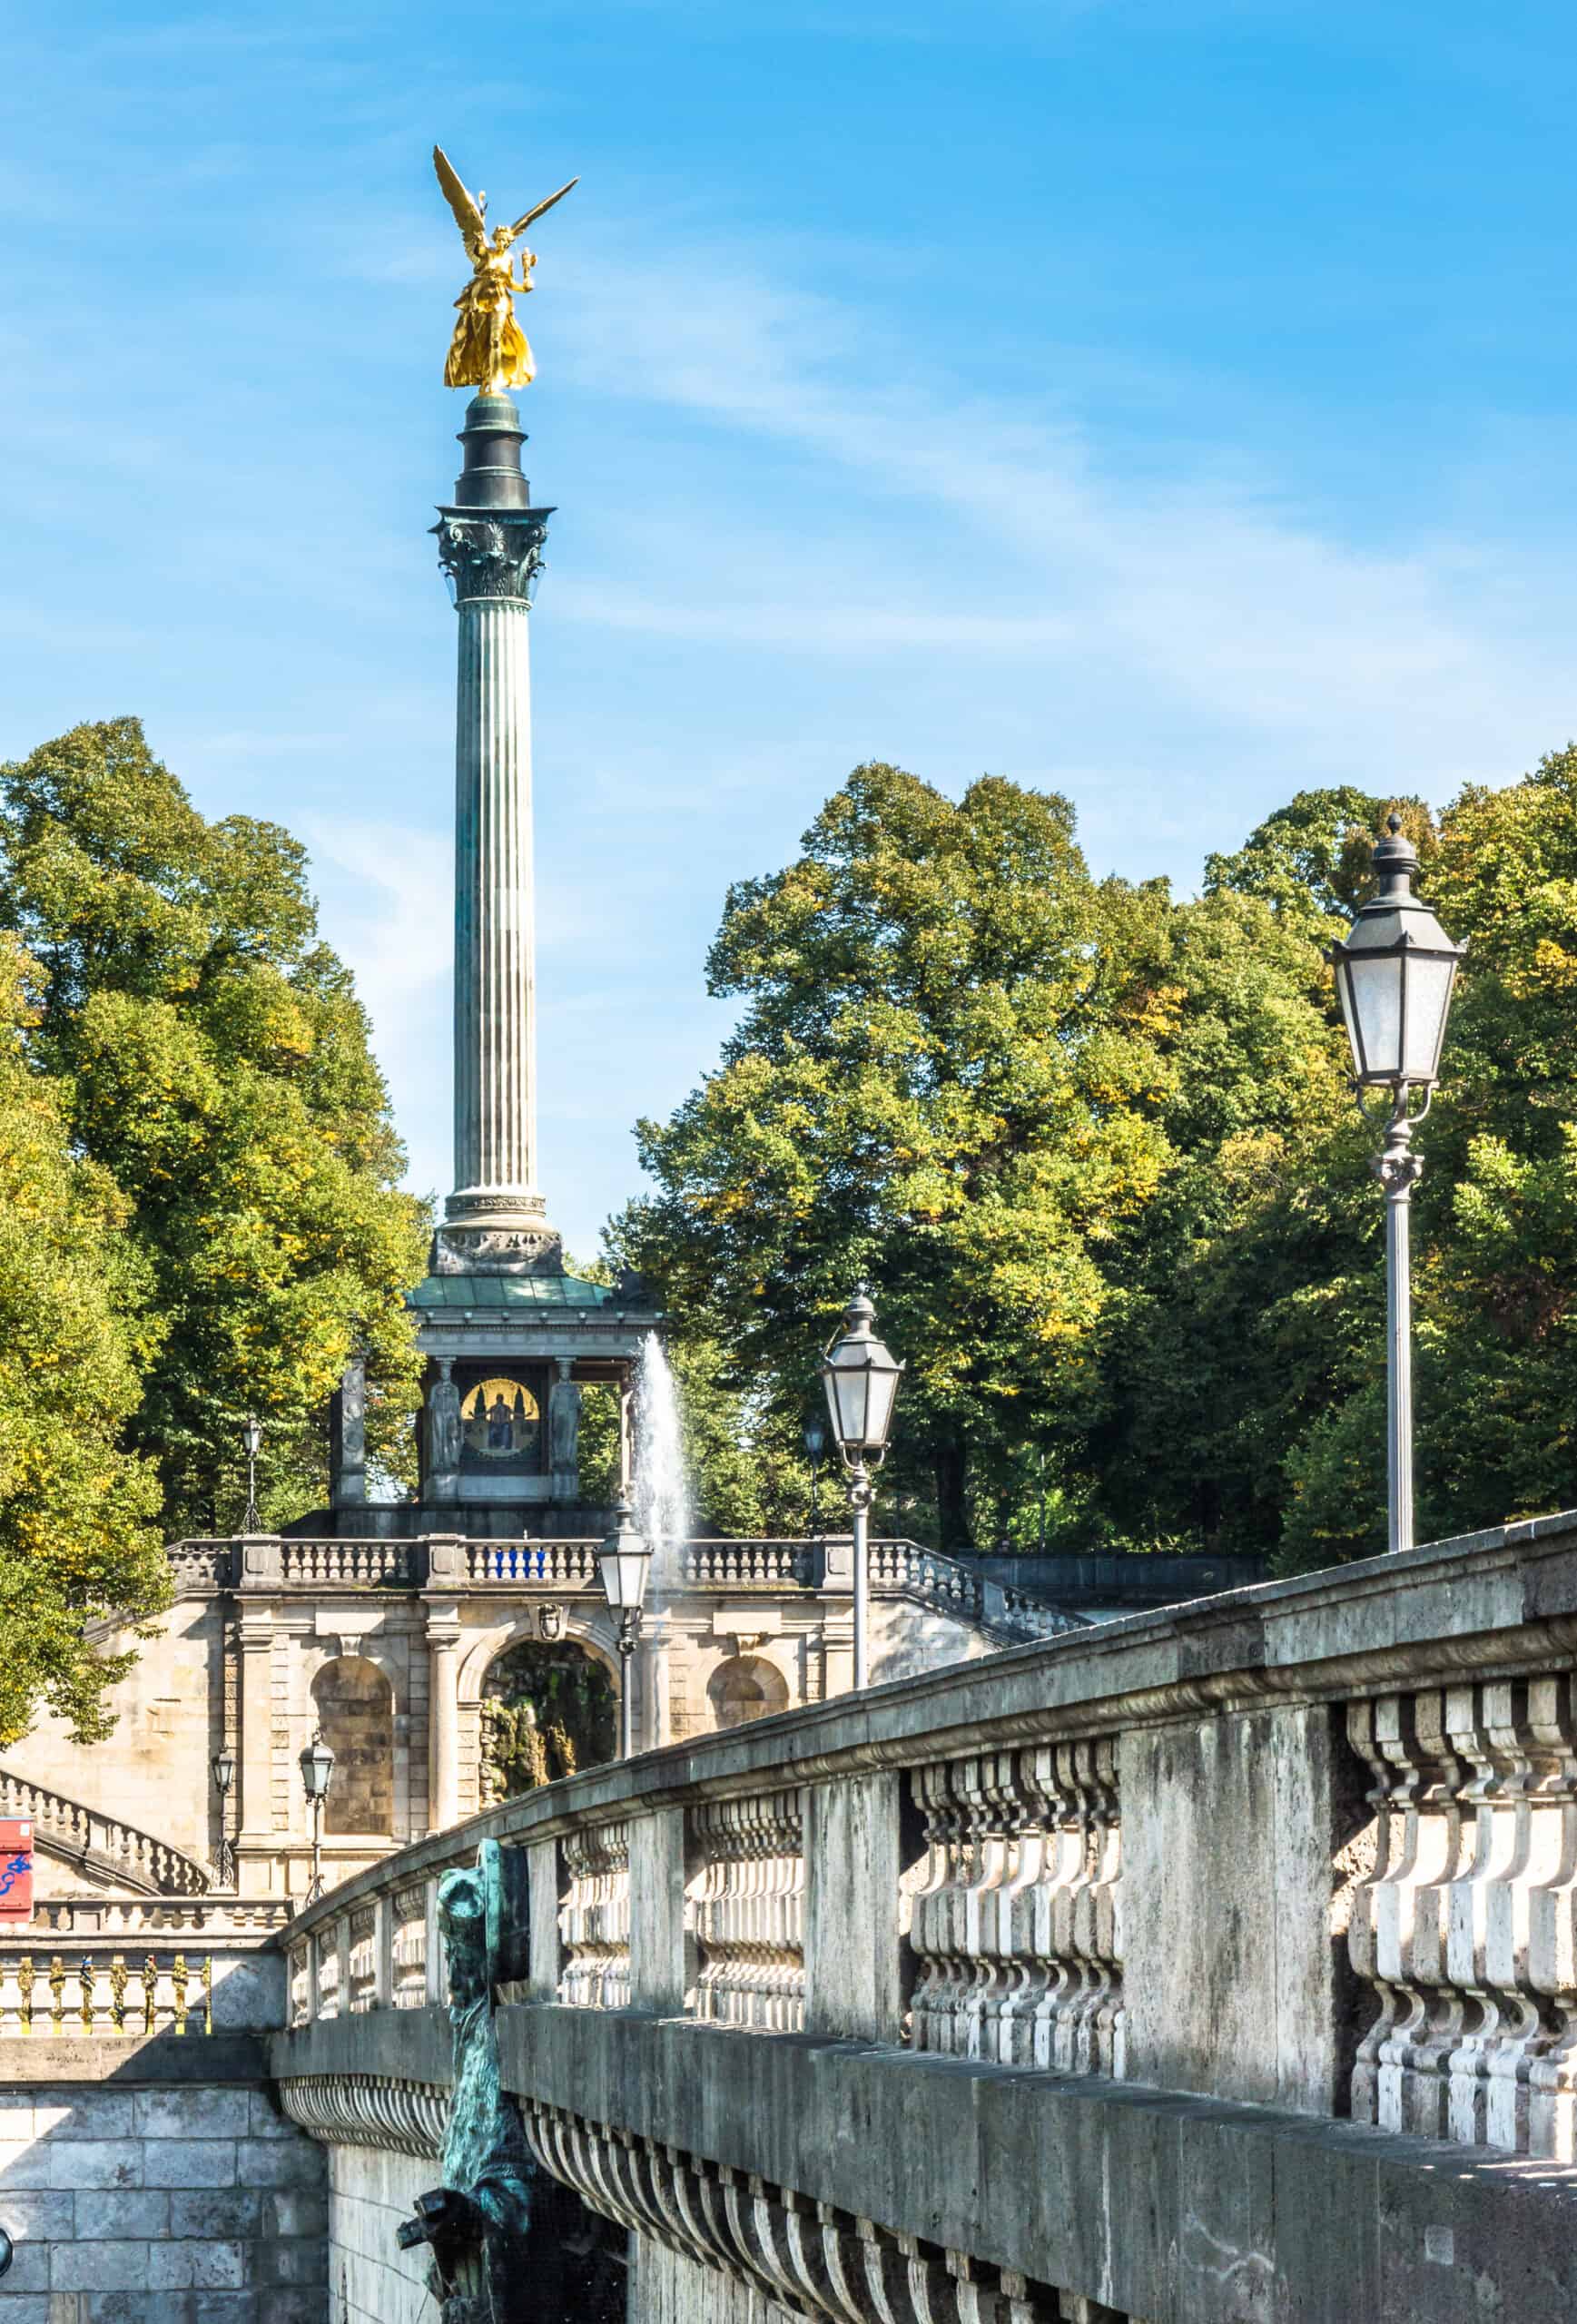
column 1094, row 1148
column 209, row 1058
column 944, row 1079
column 77, row 1537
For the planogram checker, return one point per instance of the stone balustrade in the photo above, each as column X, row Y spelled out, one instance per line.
column 100, row 1842
column 748, row 1900
column 594, row 1919
column 898, row 1567
column 1017, row 1927
column 525, row 1565
column 120, row 1968
column 212, row 1918
column 88, row 1995
column 366, row 1564
column 1303, row 1851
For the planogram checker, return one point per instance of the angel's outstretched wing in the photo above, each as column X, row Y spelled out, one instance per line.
column 518, row 227
column 467, row 217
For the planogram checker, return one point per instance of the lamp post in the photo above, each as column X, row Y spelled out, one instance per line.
column 1393, row 979
column 251, row 1437
column 861, row 1379
column 815, row 1445
column 317, row 1763
column 624, row 1560
column 223, row 1765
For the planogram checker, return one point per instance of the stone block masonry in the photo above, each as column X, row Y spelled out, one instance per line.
column 373, row 2193
column 182, row 2203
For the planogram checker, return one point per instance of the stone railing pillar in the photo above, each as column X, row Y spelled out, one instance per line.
column 855, row 1909
column 544, row 1891
column 659, row 1972
column 1229, row 1827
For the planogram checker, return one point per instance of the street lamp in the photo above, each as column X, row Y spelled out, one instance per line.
column 317, row 1765
column 815, row 1445
column 251, row 1437
column 861, row 1379
column 624, row 1560
column 223, row 1765
column 1393, row 980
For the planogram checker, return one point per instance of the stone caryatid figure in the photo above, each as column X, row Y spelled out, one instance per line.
column 564, row 1426
column 489, row 351
column 445, row 1433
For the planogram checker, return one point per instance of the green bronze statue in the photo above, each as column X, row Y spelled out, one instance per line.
column 509, row 2245
column 478, row 2222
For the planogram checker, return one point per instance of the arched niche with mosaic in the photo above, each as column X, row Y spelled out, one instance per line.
column 501, row 1424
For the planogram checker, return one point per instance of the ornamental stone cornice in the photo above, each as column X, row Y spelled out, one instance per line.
column 368, row 2110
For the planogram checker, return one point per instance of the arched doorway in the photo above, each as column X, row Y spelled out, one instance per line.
column 747, row 1687
column 355, row 1706
column 547, row 1710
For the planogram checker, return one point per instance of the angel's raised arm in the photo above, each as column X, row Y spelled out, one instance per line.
column 467, row 217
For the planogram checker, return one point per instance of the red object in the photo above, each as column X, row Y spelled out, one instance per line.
column 15, row 1868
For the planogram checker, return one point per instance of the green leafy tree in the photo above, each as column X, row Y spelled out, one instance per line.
column 1225, row 1342
column 77, row 1536
column 1097, row 1152
column 942, row 1080
column 1495, row 1213
column 213, row 1059
column 1309, row 862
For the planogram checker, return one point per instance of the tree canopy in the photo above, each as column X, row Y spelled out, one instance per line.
column 77, row 1532
column 208, row 1063
column 1094, row 1149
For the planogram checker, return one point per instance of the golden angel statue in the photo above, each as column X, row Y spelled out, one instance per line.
column 489, row 348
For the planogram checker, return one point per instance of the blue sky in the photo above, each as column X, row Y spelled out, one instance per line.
column 1168, row 403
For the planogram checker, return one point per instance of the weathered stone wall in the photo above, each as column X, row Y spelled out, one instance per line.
column 154, row 1774
column 183, row 2204
column 371, row 2279
column 665, row 2288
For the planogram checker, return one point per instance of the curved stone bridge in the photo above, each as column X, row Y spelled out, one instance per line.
column 1220, row 1964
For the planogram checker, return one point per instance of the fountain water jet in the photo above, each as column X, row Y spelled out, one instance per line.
column 661, row 1488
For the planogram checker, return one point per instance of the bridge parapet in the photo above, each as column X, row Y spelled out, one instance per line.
column 1218, row 1963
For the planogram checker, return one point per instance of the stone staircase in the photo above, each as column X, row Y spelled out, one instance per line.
column 1009, row 1617
column 115, row 1852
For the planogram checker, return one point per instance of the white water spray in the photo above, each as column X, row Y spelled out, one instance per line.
column 662, row 1491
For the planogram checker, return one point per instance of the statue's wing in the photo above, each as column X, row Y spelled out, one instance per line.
column 467, row 217
column 518, row 227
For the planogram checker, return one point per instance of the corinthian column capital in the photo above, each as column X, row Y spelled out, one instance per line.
column 493, row 554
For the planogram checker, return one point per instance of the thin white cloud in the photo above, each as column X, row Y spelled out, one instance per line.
column 1211, row 585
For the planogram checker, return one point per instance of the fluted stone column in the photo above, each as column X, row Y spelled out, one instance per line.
column 490, row 544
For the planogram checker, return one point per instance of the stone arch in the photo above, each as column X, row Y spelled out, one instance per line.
column 353, row 1701
column 588, row 1624
column 594, row 1633
column 747, row 1687
column 548, row 1708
